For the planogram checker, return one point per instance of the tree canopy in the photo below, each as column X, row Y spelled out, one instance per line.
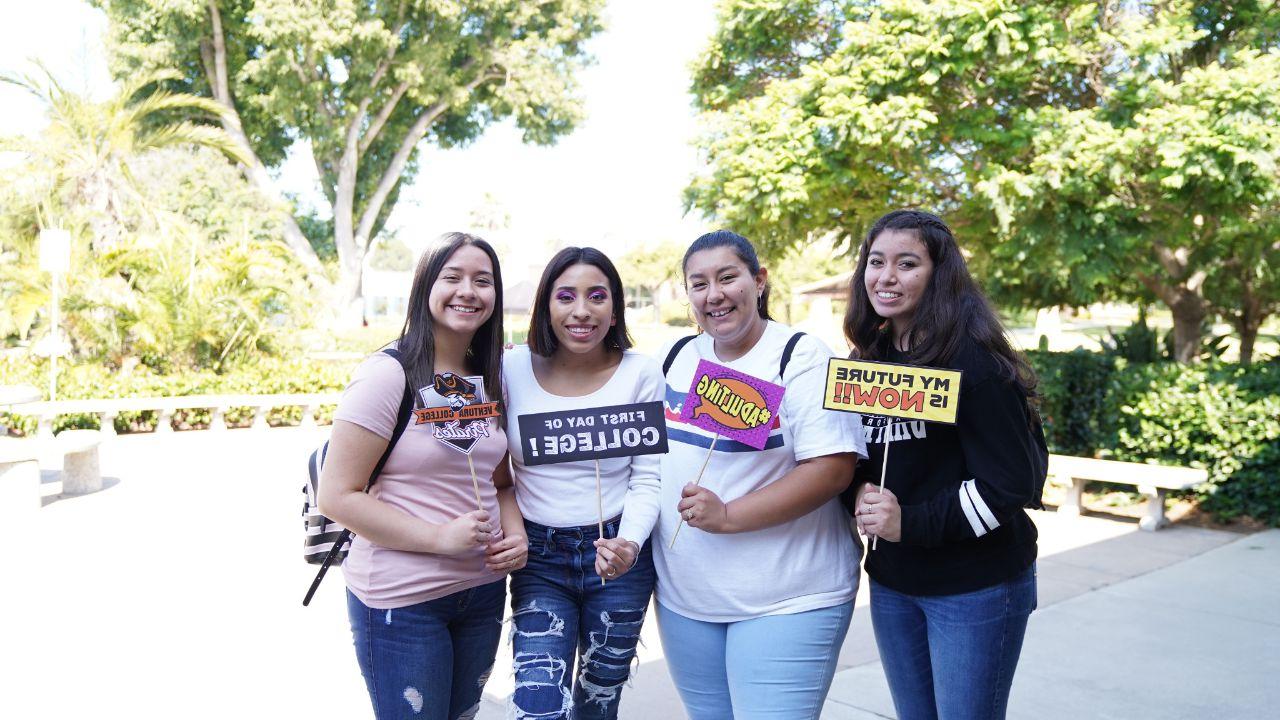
column 1084, row 151
column 364, row 83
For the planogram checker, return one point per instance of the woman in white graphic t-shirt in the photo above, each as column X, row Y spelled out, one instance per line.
column 755, row 596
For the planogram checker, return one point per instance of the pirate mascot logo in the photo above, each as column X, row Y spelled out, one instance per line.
column 458, row 410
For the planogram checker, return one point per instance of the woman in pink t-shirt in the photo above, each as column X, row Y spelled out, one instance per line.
column 425, row 574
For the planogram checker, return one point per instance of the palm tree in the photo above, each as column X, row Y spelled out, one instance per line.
column 180, row 262
column 87, row 145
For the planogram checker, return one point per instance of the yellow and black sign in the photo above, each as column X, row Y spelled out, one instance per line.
column 905, row 391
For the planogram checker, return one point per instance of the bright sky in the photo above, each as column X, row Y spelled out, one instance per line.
column 614, row 183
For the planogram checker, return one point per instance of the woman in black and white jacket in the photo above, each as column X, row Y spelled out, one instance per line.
column 954, row 583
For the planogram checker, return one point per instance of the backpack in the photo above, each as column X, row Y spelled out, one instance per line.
column 782, row 366
column 325, row 542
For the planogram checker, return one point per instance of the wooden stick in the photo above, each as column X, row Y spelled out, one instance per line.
column 599, row 510
column 884, row 465
column 696, row 481
column 475, row 484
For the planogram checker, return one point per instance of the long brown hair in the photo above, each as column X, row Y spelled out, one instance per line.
column 952, row 308
column 542, row 339
column 417, row 343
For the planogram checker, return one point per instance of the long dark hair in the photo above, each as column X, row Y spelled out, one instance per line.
column 417, row 341
column 742, row 247
column 542, row 339
column 951, row 309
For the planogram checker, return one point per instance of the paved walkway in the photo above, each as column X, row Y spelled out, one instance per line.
column 175, row 592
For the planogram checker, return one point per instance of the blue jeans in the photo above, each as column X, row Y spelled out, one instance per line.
column 777, row 667
column 428, row 661
column 952, row 656
column 560, row 612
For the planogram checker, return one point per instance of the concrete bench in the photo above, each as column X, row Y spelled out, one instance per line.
column 81, row 473
column 1154, row 481
column 19, row 477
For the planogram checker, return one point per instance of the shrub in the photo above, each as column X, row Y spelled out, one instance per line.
column 268, row 376
column 1221, row 417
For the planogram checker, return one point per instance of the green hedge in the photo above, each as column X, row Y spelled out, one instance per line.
column 94, row 381
column 1221, row 417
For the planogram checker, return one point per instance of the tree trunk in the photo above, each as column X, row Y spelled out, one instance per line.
column 1189, row 312
column 1248, row 337
column 1248, row 320
column 214, row 57
column 1182, row 291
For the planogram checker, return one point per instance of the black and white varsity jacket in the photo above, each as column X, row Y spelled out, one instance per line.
column 962, row 487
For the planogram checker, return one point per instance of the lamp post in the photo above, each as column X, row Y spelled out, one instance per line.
column 55, row 259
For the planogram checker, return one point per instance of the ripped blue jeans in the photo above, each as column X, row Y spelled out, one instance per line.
column 428, row 661
column 562, row 614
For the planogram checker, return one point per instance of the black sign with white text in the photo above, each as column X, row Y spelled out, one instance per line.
column 593, row 433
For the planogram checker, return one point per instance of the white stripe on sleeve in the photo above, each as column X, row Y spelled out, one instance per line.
column 967, row 505
column 981, row 506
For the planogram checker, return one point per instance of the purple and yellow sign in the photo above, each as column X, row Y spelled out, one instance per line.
column 733, row 404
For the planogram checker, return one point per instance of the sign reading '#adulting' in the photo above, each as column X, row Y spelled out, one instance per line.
column 730, row 403
column 593, row 433
column 906, row 391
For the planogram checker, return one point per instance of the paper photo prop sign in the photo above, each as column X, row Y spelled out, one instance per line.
column 905, row 391
column 593, row 433
column 457, row 408
column 733, row 404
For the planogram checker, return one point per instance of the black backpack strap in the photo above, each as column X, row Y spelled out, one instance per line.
column 402, row 419
column 786, row 353
column 402, row 422
column 675, row 350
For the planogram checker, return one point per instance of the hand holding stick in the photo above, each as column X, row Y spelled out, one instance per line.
column 884, row 465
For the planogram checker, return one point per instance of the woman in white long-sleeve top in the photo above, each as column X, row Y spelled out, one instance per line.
column 577, row 358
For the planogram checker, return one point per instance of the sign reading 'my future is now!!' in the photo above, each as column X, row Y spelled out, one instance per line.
column 593, row 433
column 905, row 391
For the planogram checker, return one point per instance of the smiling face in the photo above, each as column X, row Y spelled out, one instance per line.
column 463, row 295
column 898, row 273
column 725, row 296
column 581, row 309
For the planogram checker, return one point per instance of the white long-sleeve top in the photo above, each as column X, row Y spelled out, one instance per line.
column 564, row 494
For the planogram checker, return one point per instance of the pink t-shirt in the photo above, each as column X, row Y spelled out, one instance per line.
column 422, row 478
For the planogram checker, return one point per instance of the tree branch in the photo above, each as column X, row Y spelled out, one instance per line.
column 392, row 174
column 214, row 56
column 375, row 128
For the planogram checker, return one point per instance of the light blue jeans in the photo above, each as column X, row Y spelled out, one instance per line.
column 952, row 657
column 776, row 667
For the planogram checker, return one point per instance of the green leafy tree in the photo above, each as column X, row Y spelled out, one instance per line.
column 648, row 268
column 364, row 83
column 1085, row 151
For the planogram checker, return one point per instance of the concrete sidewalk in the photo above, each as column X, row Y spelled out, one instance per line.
column 176, row 592
column 1197, row 638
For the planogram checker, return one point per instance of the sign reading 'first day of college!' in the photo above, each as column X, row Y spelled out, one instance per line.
column 593, row 433
column 905, row 391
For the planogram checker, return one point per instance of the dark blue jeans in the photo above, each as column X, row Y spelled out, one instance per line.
column 952, row 657
column 428, row 661
column 561, row 613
